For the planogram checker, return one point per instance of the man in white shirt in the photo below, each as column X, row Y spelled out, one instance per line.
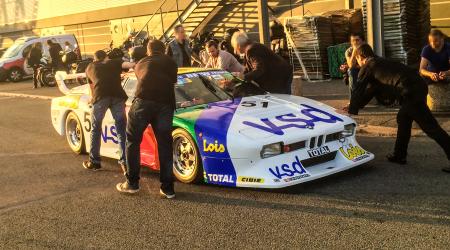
column 220, row 59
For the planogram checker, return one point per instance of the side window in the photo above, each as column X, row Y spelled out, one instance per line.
column 26, row 51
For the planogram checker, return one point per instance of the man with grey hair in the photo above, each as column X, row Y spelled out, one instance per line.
column 179, row 48
column 262, row 65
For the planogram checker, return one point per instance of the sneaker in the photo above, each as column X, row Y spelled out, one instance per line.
column 124, row 168
column 167, row 192
column 396, row 159
column 446, row 169
column 91, row 166
column 126, row 188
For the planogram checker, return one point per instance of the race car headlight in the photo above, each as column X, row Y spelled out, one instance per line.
column 270, row 150
column 349, row 130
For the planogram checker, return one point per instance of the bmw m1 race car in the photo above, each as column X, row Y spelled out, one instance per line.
column 260, row 141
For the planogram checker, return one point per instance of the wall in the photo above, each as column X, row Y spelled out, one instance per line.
column 440, row 15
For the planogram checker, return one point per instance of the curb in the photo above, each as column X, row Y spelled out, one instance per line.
column 42, row 97
column 383, row 131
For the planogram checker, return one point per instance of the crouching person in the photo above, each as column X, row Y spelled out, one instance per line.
column 379, row 76
column 104, row 77
column 154, row 104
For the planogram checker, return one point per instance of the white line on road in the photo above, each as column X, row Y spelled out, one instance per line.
column 34, row 153
column 42, row 97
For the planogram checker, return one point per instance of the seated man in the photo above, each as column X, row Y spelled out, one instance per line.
column 356, row 40
column 435, row 62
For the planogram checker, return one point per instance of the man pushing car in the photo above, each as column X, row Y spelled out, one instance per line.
column 379, row 76
column 155, row 105
column 104, row 77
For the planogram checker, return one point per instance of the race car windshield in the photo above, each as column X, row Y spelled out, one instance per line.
column 200, row 88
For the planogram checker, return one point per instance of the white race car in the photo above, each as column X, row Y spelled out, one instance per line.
column 261, row 141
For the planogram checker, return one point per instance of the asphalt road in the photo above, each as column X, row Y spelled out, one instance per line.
column 47, row 200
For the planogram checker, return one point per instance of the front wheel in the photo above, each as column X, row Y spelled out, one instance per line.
column 15, row 75
column 187, row 165
column 74, row 133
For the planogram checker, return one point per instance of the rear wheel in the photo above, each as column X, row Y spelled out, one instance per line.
column 74, row 133
column 187, row 165
column 15, row 75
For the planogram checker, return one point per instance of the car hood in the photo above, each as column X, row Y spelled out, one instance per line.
column 262, row 117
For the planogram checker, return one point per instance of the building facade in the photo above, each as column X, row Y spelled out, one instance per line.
column 97, row 23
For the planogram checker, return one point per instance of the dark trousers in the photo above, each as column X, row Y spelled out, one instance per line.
column 419, row 112
column 35, row 75
column 352, row 80
column 159, row 116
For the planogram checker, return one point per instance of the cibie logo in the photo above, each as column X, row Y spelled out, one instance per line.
column 220, row 178
column 250, row 179
column 311, row 117
column 213, row 147
column 293, row 171
column 353, row 153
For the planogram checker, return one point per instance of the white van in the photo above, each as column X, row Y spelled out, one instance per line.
column 13, row 63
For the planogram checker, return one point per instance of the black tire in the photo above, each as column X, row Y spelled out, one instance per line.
column 187, row 163
column 47, row 78
column 15, row 75
column 74, row 134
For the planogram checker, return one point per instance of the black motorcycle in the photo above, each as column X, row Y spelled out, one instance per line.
column 45, row 74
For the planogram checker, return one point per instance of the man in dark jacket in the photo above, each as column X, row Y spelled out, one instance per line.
column 379, row 76
column 34, row 58
column 104, row 77
column 179, row 48
column 54, row 49
column 262, row 65
column 154, row 104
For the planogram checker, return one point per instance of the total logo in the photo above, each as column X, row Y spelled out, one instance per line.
column 353, row 153
column 319, row 151
column 220, row 178
column 311, row 117
column 293, row 171
column 215, row 147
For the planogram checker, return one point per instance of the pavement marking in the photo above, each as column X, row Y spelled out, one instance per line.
column 42, row 97
column 19, row 205
column 34, row 153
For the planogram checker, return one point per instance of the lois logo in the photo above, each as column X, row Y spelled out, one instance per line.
column 213, row 147
column 353, row 153
column 313, row 116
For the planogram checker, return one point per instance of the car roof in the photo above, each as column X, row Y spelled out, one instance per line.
column 181, row 71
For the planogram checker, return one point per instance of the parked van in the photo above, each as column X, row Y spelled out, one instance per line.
column 13, row 63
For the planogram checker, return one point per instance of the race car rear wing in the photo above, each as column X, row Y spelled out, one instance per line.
column 62, row 77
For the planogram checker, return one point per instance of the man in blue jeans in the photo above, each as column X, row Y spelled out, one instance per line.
column 154, row 104
column 104, row 77
column 356, row 40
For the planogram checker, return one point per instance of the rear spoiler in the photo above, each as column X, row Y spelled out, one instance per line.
column 62, row 76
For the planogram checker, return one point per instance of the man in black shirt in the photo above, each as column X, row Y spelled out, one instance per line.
column 104, row 77
column 34, row 58
column 262, row 65
column 54, row 49
column 154, row 104
column 380, row 77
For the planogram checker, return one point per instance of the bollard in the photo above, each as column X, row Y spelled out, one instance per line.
column 297, row 86
column 438, row 97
